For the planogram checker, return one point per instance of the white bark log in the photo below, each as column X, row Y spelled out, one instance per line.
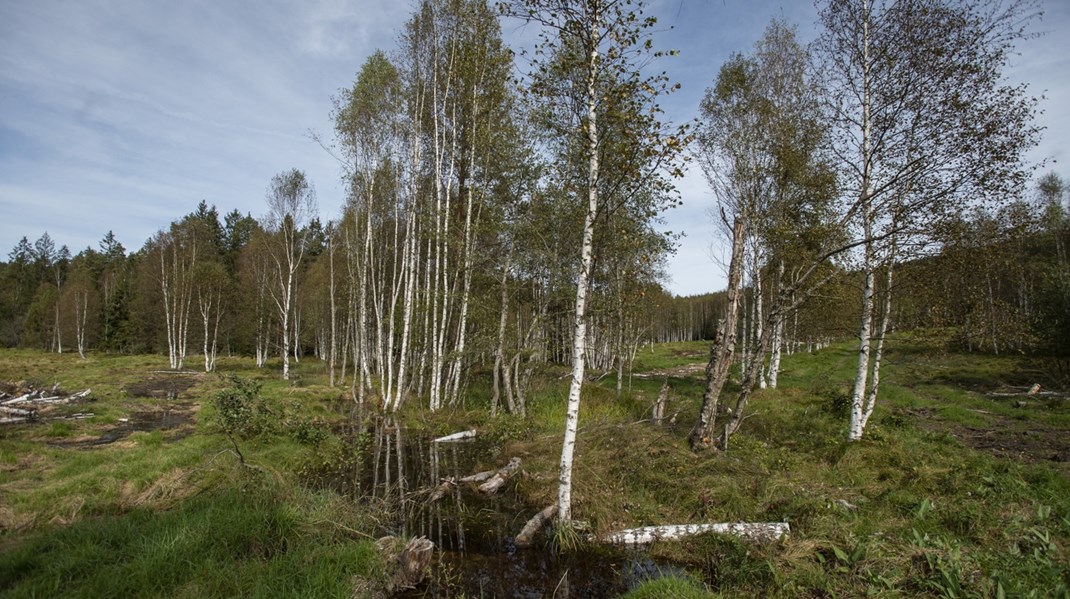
column 461, row 436
column 754, row 531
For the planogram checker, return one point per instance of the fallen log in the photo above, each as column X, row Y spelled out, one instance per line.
column 19, row 399
column 527, row 534
column 36, row 397
column 754, row 531
column 14, row 420
column 16, row 411
column 495, row 482
column 461, row 436
column 440, row 491
column 478, row 477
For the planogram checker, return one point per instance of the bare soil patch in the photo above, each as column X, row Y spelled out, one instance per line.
column 1028, row 442
column 685, row 371
column 164, row 385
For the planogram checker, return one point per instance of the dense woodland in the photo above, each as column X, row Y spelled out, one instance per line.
column 873, row 181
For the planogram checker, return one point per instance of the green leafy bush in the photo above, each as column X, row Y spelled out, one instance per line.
column 241, row 411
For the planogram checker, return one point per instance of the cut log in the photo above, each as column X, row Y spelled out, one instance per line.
column 461, row 436
column 527, row 534
column 413, row 563
column 754, row 531
column 495, row 482
column 1034, row 389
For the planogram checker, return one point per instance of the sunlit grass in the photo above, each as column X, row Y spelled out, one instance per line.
column 909, row 510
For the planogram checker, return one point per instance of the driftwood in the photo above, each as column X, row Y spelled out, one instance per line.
column 461, row 436
column 495, row 482
column 755, row 531
column 527, row 534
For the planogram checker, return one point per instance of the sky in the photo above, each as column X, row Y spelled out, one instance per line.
column 123, row 115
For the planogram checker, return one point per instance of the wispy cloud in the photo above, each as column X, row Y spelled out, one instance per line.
column 123, row 114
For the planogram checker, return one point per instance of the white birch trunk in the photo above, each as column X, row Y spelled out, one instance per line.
column 754, row 531
column 579, row 336
column 81, row 310
column 778, row 335
column 882, row 331
column 499, row 349
column 332, row 340
column 757, row 355
column 866, row 325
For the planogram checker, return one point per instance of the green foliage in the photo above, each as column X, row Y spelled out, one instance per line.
column 836, row 402
column 241, row 411
column 309, row 431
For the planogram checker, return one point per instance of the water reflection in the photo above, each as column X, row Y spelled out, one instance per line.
column 473, row 532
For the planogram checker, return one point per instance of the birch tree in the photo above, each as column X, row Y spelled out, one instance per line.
column 757, row 145
column 923, row 121
column 291, row 205
column 174, row 255
column 593, row 51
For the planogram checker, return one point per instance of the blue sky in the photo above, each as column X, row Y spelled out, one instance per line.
column 123, row 114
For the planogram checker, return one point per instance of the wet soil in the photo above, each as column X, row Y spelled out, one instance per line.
column 176, row 420
column 163, row 385
column 1027, row 441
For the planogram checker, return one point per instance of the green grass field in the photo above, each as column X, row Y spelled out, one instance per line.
column 956, row 490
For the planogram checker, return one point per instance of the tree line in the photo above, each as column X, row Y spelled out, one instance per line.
column 870, row 181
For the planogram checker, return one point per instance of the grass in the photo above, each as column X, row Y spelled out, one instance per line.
column 952, row 492
column 928, row 514
column 236, row 542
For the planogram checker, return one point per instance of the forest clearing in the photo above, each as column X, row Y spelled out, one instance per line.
column 960, row 489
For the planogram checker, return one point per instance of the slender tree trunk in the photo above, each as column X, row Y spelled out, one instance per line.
column 333, row 341
column 866, row 325
column 865, row 335
column 882, row 330
column 499, row 350
column 758, row 356
column 579, row 336
column 81, row 310
column 723, row 346
column 778, row 335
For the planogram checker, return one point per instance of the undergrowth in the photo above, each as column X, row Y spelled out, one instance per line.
column 955, row 490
